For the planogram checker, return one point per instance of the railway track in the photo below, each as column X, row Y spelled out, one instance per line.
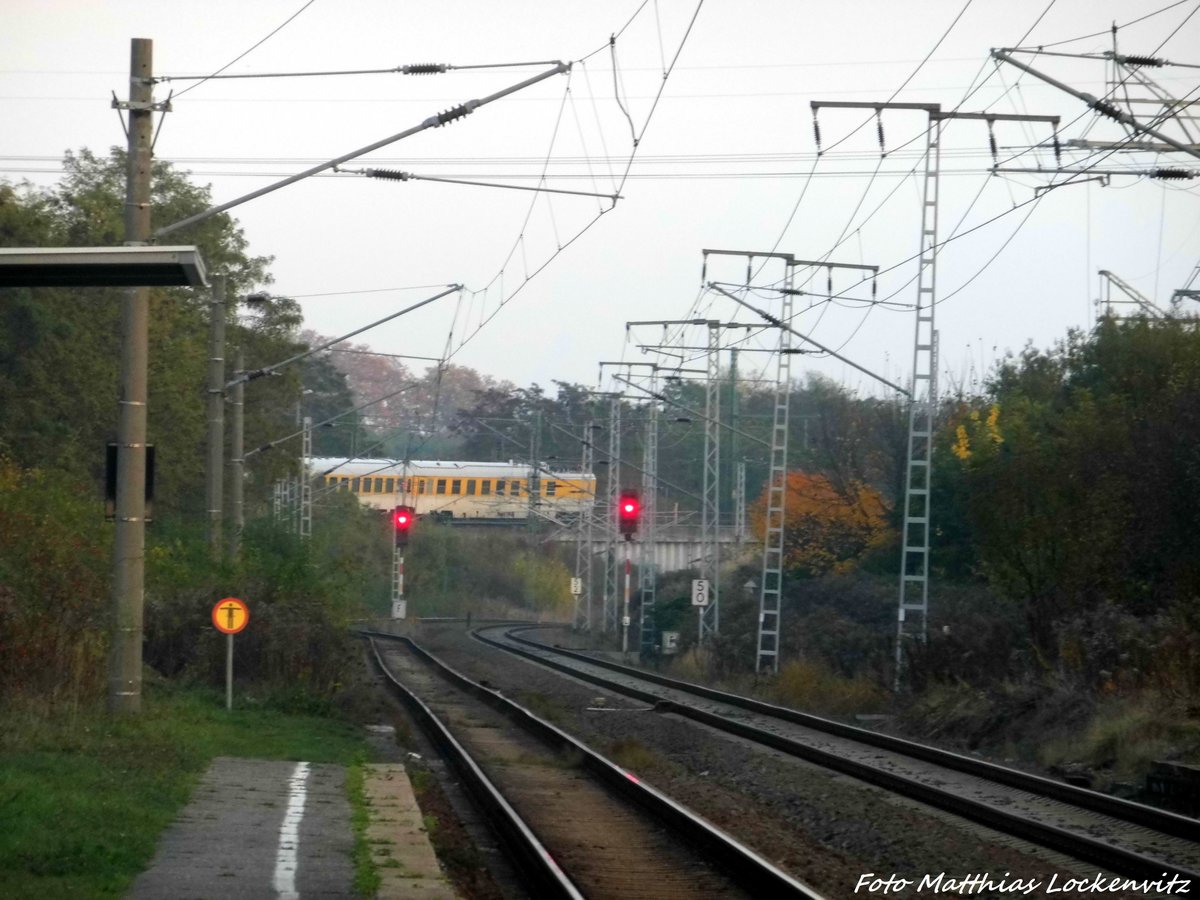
column 574, row 823
column 1124, row 838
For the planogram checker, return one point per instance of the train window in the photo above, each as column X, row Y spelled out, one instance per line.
column 456, row 486
column 515, row 486
column 420, row 485
column 441, row 485
column 500, row 487
column 389, row 485
column 354, row 485
column 377, row 487
column 366, row 486
column 470, row 487
column 485, row 486
column 551, row 487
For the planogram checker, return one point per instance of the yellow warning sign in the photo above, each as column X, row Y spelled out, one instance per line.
column 230, row 615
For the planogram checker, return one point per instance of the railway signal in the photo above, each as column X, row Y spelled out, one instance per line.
column 629, row 513
column 402, row 521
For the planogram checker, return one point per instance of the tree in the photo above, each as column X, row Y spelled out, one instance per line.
column 825, row 530
column 58, row 346
column 1081, row 478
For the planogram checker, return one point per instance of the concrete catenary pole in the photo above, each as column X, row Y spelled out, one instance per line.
column 128, row 591
column 237, row 474
column 215, row 469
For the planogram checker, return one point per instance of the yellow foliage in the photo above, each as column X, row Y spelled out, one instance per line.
column 826, row 530
column 962, row 443
column 980, row 432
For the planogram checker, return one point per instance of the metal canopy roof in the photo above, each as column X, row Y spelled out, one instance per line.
column 101, row 267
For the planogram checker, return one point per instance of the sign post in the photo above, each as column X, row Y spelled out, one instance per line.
column 700, row 600
column 230, row 616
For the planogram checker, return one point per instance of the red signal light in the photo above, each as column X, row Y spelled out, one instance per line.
column 629, row 512
column 402, row 520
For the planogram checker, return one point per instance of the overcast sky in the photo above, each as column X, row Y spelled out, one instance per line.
column 726, row 160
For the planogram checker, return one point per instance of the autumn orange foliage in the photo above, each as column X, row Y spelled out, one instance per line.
column 825, row 530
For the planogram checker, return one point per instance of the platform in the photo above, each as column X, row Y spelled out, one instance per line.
column 263, row 829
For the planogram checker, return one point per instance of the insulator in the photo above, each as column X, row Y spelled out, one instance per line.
column 1172, row 174
column 829, row 281
column 1153, row 62
column 874, row 289
column 424, row 69
column 387, row 173
column 817, row 132
column 879, row 128
column 1057, row 150
column 992, row 142
column 704, row 272
column 1106, row 109
column 450, row 115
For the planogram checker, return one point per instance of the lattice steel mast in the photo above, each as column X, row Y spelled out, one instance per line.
column 611, row 581
column 305, row 510
column 583, row 545
column 710, row 512
column 774, row 534
column 913, row 605
column 647, row 570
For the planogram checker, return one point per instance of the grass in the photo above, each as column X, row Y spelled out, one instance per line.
column 632, row 755
column 811, row 686
column 1124, row 738
column 84, row 796
column 366, row 879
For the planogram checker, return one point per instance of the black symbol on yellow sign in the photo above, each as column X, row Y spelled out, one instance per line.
column 230, row 615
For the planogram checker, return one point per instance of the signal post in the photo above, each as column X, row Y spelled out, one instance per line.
column 629, row 512
column 402, row 520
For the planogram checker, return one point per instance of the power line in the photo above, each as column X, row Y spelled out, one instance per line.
column 249, row 51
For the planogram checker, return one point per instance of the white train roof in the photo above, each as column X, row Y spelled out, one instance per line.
column 321, row 465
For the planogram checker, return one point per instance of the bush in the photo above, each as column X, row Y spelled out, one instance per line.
column 811, row 686
column 54, row 587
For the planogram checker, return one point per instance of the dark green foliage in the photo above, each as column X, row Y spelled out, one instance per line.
column 450, row 572
column 53, row 587
column 302, row 598
column 59, row 352
column 1081, row 503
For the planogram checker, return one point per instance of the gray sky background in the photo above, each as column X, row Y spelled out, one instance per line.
column 726, row 161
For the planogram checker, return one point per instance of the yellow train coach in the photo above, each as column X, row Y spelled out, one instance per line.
column 458, row 490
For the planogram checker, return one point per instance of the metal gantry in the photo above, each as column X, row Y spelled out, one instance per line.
column 913, row 605
column 533, row 483
column 770, row 596
column 304, row 511
column 739, row 501
column 913, row 613
column 583, row 544
column 1132, row 297
column 612, row 601
column 710, row 510
column 647, row 573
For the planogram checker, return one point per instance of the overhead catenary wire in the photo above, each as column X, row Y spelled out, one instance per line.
column 247, row 52
column 1010, row 238
column 563, row 245
column 437, row 121
column 389, row 174
column 407, row 69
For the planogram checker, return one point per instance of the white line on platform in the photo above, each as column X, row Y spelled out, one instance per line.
column 289, row 835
